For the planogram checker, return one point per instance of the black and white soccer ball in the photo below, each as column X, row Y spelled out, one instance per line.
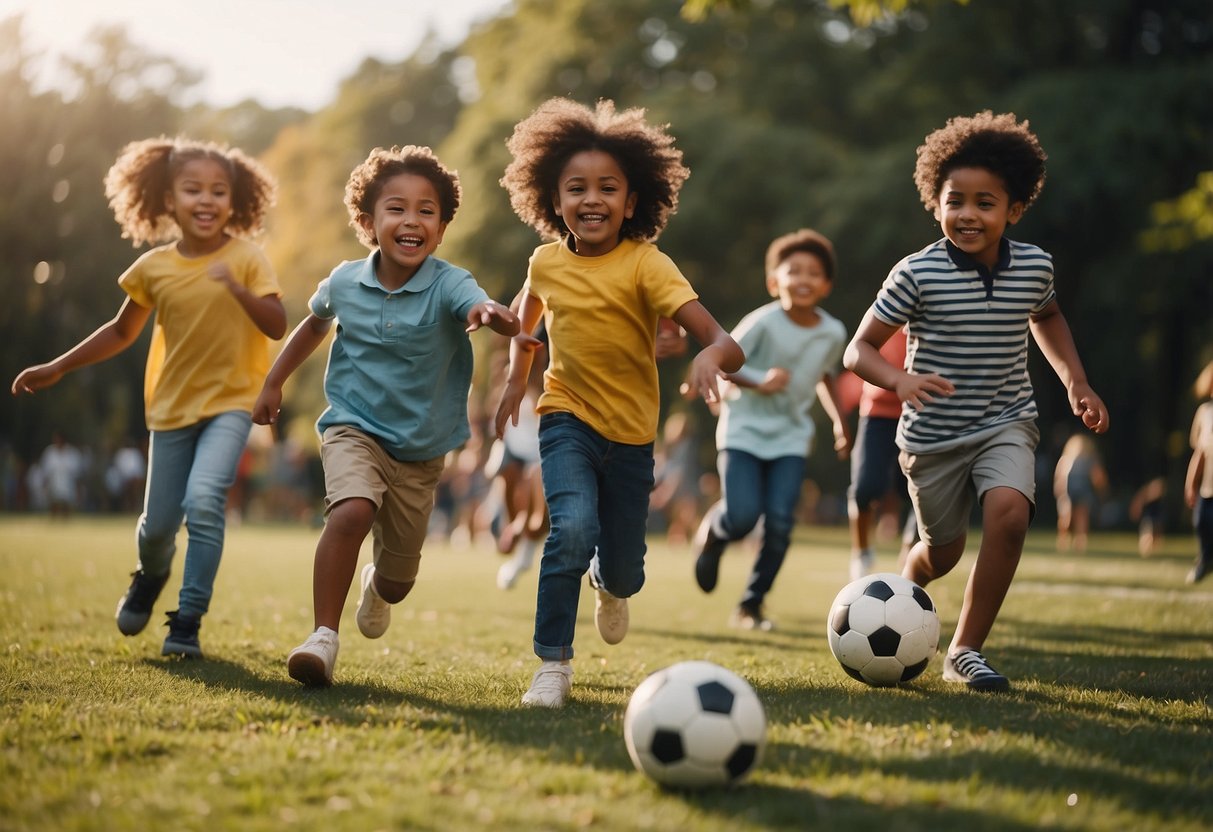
column 695, row 724
column 883, row 629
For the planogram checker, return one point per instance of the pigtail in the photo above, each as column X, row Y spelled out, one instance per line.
column 253, row 192
column 135, row 187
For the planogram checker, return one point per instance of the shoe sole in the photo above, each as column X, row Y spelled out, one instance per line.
column 707, row 571
column 983, row 685
column 131, row 625
column 308, row 670
column 185, row 651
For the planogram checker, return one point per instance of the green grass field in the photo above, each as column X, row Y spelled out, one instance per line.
column 1108, row 725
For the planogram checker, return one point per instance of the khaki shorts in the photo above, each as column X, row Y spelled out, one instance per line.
column 942, row 485
column 355, row 465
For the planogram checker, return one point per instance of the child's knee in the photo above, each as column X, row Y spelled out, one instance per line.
column 353, row 516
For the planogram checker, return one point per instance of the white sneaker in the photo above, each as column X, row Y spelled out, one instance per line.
column 311, row 663
column 862, row 563
column 611, row 617
column 374, row 614
column 549, row 686
column 508, row 574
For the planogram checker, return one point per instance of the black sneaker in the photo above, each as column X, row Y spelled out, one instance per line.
column 971, row 668
column 711, row 548
column 135, row 607
column 182, row 638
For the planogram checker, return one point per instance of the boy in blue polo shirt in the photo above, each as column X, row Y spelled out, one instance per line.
column 397, row 385
column 968, row 422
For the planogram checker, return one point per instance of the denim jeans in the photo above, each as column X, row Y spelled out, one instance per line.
column 597, row 493
column 752, row 488
column 189, row 472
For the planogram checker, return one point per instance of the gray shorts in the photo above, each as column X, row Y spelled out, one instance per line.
column 942, row 485
column 355, row 465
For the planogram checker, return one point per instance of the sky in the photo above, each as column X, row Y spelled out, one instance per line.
column 280, row 52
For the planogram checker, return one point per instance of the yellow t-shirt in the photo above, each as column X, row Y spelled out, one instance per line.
column 601, row 316
column 206, row 356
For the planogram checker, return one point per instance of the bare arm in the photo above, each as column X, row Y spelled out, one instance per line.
column 308, row 335
column 1053, row 336
column 827, row 394
column 720, row 353
column 266, row 312
column 106, row 342
column 522, row 354
column 863, row 358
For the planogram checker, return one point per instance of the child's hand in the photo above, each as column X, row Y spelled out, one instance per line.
column 671, row 341
column 703, row 378
column 221, row 273
column 1089, row 407
column 842, row 440
column 507, row 408
column 482, row 314
column 36, row 378
column 920, row 390
column 267, row 406
column 775, row 380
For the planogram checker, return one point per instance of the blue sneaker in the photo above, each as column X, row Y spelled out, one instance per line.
column 135, row 607
column 182, row 639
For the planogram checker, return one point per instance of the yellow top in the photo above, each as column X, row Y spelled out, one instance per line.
column 206, row 356
column 601, row 316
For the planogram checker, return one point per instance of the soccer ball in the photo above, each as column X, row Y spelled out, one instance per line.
column 883, row 629
column 695, row 724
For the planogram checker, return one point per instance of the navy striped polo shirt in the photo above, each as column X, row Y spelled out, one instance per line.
column 968, row 324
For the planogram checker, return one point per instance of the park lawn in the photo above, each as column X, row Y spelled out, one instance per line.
column 1108, row 725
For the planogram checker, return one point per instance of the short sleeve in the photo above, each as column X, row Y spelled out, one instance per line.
column 664, row 286
column 1048, row 293
column 260, row 278
column 321, row 302
column 464, row 293
column 134, row 282
column 896, row 303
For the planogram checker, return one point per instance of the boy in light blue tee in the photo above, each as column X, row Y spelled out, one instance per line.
column 766, row 428
column 397, row 384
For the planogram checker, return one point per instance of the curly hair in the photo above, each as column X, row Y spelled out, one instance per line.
column 806, row 240
column 997, row 143
column 137, row 182
column 366, row 183
column 543, row 143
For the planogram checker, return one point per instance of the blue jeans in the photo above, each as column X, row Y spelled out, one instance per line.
column 189, row 472
column 597, row 493
column 874, row 462
column 752, row 488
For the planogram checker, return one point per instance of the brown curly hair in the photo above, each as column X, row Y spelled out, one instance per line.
column 366, row 183
column 543, row 143
column 806, row 240
column 137, row 182
column 997, row 143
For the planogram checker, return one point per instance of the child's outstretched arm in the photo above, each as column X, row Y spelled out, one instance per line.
column 863, row 358
column 496, row 317
column 719, row 355
column 106, row 342
column 266, row 312
column 522, row 355
column 1053, row 336
column 302, row 343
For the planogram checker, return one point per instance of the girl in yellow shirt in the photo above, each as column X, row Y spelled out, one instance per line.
column 217, row 304
column 602, row 184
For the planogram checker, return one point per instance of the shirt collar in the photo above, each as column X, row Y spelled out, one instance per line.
column 966, row 263
column 426, row 274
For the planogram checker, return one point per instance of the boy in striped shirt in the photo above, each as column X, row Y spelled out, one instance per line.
column 968, row 422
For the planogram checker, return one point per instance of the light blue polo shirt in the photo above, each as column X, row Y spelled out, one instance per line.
column 401, row 363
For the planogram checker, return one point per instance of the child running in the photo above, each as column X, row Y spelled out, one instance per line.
column 397, row 385
column 766, row 429
column 968, row 422
column 217, row 304
column 603, row 184
column 1198, row 480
